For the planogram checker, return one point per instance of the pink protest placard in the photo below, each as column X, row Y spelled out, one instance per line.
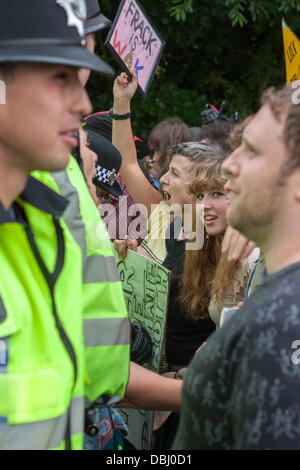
column 135, row 43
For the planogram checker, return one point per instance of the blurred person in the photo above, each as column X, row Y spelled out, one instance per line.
column 125, row 215
column 101, row 179
column 41, row 263
column 95, row 21
column 40, row 259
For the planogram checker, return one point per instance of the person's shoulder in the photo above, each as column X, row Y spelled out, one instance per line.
column 280, row 288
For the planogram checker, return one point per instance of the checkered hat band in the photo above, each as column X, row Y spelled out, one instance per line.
column 106, row 176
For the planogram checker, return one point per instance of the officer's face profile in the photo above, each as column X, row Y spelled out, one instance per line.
column 41, row 117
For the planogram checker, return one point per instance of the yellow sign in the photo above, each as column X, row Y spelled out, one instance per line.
column 292, row 53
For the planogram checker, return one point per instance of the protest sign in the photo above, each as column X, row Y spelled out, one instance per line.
column 292, row 53
column 146, row 289
column 135, row 43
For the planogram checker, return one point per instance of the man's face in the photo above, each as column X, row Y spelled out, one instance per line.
column 256, row 188
column 44, row 104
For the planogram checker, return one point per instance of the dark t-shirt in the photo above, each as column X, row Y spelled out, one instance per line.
column 184, row 335
column 242, row 389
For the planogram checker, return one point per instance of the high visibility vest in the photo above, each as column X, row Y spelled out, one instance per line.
column 106, row 325
column 42, row 364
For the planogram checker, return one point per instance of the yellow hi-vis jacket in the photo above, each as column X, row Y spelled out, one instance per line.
column 43, row 304
column 41, row 337
column 105, row 318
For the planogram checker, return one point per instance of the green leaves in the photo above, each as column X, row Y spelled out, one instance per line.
column 236, row 13
column 180, row 9
column 215, row 50
column 240, row 12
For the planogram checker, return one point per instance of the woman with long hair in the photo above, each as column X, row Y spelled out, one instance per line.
column 210, row 281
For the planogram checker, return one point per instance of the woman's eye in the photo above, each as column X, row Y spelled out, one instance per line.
column 200, row 196
column 217, row 194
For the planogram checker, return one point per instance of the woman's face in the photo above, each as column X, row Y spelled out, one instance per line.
column 214, row 207
column 174, row 182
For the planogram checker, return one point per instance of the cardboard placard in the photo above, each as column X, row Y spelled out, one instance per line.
column 146, row 290
column 292, row 53
column 135, row 43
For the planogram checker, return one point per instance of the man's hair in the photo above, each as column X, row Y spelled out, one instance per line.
column 280, row 103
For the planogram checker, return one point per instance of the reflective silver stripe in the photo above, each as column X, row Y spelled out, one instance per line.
column 96, row 268
column 42, row 435
column 77, row 415
column 100, row 268
column 2, row 311
column 3, row 355
column 106, row 331
column 72, row 215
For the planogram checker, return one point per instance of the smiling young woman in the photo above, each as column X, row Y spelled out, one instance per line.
column 209, row 280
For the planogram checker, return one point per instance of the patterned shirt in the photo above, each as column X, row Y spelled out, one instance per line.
column 242, row 389
column 122, row 217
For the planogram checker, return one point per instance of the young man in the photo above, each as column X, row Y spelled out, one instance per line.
column 242, row 389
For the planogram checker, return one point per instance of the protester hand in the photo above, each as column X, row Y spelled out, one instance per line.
column 121, row 246
column 235, row 245
column 124, row 89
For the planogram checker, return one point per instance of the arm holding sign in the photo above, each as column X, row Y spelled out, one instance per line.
column 139, row 187
column 121, row 247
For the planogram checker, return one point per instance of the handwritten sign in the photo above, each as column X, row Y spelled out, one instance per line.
column 146, row 289
column 135, row 43
column 292, row 53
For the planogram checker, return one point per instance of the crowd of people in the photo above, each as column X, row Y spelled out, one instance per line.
column 216, row 205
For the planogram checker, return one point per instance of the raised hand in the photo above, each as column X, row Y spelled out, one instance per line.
column 124, row 90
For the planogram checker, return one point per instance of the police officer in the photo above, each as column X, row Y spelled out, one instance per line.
column 43, row 374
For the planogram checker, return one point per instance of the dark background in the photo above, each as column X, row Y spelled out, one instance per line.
column 215, row 50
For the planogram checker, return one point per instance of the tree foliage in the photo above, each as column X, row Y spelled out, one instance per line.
column 215, row 50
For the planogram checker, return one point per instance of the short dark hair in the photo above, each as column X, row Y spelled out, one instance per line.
column 281, row 102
